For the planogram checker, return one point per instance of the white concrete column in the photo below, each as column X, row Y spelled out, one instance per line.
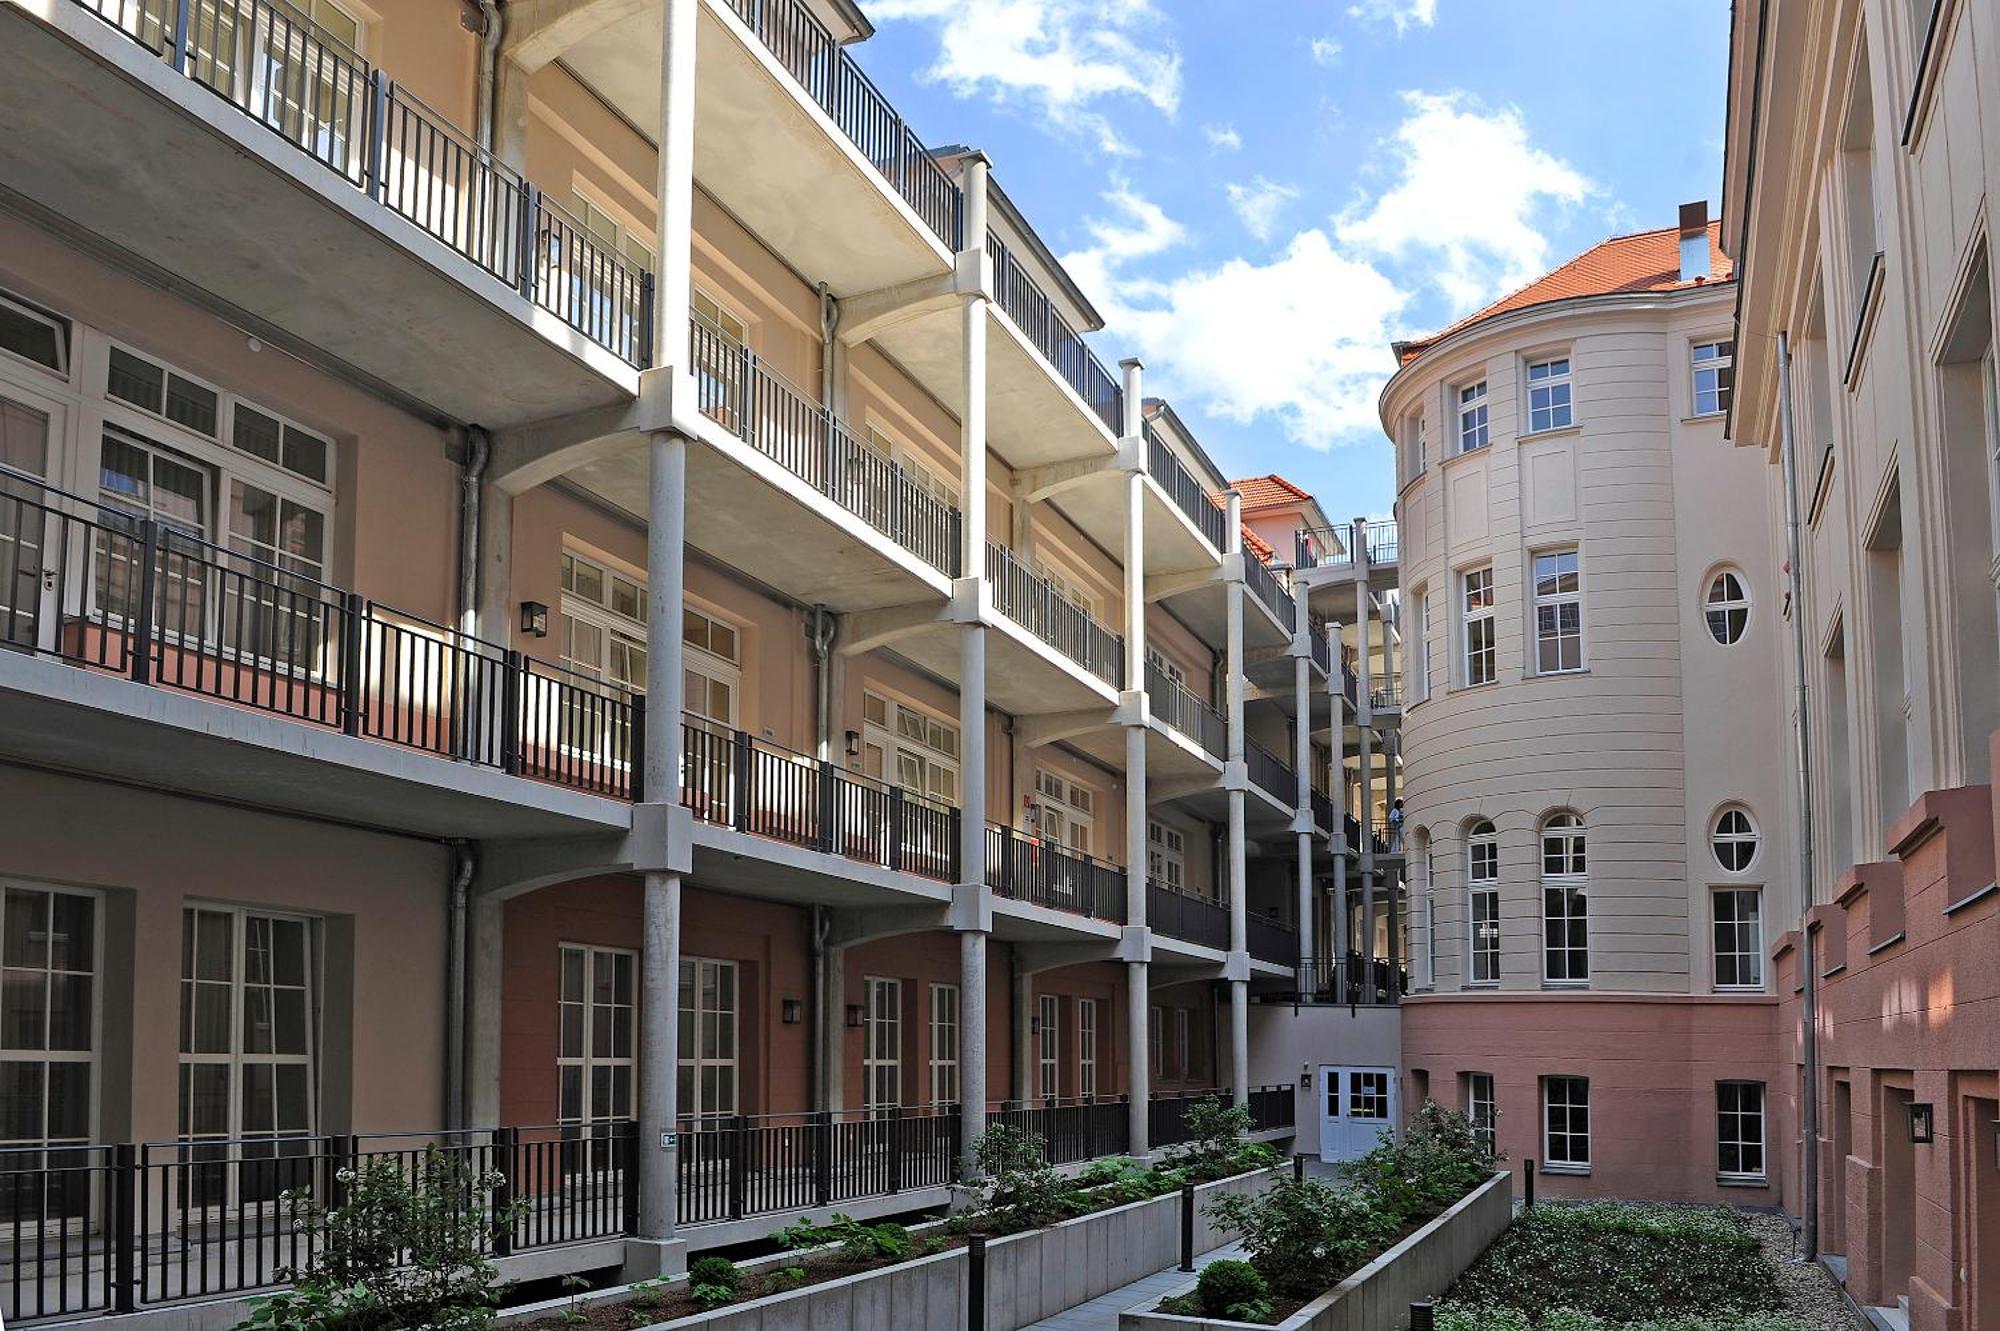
column 1302, row 764
column 674, row 235
column 1239, row 854
column 1138, row 964
column 973, row 906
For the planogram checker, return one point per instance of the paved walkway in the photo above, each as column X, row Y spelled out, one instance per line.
column 1101, row 1313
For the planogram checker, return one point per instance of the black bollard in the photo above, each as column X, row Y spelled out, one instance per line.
column 1298, row 1168
column 975, row 1283
column 1528, row 1178
column 1187, row 1226
column 1423, row 1316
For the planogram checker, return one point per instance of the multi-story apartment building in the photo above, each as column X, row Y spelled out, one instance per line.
column 1861, row 170
column 569, row 581
column 1592, row 741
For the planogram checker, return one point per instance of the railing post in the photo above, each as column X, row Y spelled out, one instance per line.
column 378, row 133
column 510, row 713
column 957, row 861
column 739, row 1164
column 505, row 1143
column 895, row 1122
column 1007, row 861
column 828, row 782
column 896, row 827
column 746, row 418
column 142, row 617
column 531, row 204
column 629, row 1177
column 183, row 19
column 645, row 321
column 635, row 764
column 125, row 1222
column 822, row 1135
column 353, row 669
column 744, row 782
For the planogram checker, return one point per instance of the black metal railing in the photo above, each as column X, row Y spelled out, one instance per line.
column 1271, row 940
column 1273, row 1108
column 1385, row 698
column 1031, row 601
column 1351, row 980
column 1262, row 582
column 1322, row 810
column 1173, row 703
column 739, row 1165
column 734, row 388
column 275, row 64
column 1072, row 1128
column 1039, row 321
column 1167, row 1113
column 1028, row 868
column 1317, row 546
column 109, row 590
column 832, row 79
column 1322, row 649
column 1270, row 773
column 1350, row 686
column 1172, row 475
column 1189, row 918
column 1383, row 542
column 732, row 778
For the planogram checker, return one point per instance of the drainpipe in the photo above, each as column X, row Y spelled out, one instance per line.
column 463, row 862
column 829, row 324
column 820, row 924
column 478, row 451
column 489, row 64
column 1808, row 962
column 820, row 630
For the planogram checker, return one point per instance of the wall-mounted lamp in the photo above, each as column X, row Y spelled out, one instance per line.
column 1034, row 1025
column 854, row 744
column 790, row 1011
column 1923, row 1131
column 1305, row 1076
column 856, row 1015
column 534, row 619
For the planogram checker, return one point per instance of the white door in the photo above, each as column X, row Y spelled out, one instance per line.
column 1355, row 1106
column 30, row 544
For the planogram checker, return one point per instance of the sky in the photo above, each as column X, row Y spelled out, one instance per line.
column 1260, row 195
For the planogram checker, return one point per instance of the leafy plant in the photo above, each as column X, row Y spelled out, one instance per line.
column 858, row 1242
column 1302, row 1235
column 1215, row 1134
column 1439, row 1159
column 1233, row 1290
column 1022, row 1190
column 784, row 1278
column 646, row 1294
column 575, row 1286
column 404, row 1249
column 713, row 1281
column 1462, row 1317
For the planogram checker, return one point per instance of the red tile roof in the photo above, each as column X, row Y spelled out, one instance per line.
column 1258, row 546
column 1648, row 261
column 1262, row 492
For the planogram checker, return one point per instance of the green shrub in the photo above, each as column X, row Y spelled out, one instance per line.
column 1302, row 1235
column 1022, row 1190
column 1464, row 1317
column 784, row 1278
column 1459, row 1317
column 1233, row 1290
column 716, row 1271
column 858, row 1242
column 1215, row 1133
column 1439, row 1159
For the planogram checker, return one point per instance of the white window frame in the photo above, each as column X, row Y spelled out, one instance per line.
column 1086, row 1048
column 238, row 1059
column 1474, row 425
column 1551, row 395
column 1166, row 856
column 1482, row 889
column 694, row 1065
column 1557, row 589
column 1726, row 594
column 1740, row 1126
column 1420, row 602
column 1733, row 835
column 1184, row 1041
column 1572, row 1106
column 881, row 1043
column 63, row 328
column 586, row 1061
column 1482, row 1106
column 1048, row 1046
column 1746, row 940
column 1565, row 879
column 1712, row 371
column 46, row 1055
column 1478, row 621
column 1062, row 819
column 944, row 1044
column 929, row 767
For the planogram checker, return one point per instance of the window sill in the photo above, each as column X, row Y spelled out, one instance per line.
column 1573, row 1171
column 1704, row 417
column 1483, row 684
column 1739, row 990
column 1735, row 1181
column 1478, row 986
column 1558, row 986
column 1559, row 674
column 1554, row 432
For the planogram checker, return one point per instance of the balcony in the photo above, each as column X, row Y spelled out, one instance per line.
column 1349, row 981
column 1035, row 316
column 1271, row 774
column 1027, row 599
column 1270, row 591
column 1191, row 919
column 1180, row 486
column 1334, row 549
column 1029, row 869
column 413, row 715
column 1170, row 701
column 267, row 165
column 1271, row 940
column 1322, row 812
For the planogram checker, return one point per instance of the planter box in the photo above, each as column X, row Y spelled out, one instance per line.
column 1378, row 1296
column 1028, row 1276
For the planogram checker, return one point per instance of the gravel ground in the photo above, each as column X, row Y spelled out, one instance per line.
column 1811, row 1293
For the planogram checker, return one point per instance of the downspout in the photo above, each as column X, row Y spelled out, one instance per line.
column 1808, row 962
column 829, row 324
column 478, row 451
column 820, row 922
column 820, row 630
column 489, row 63
column 456, row 1008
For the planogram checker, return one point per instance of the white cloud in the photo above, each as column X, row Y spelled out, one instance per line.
column 1059, row 57
column 1404, row 14
column 1259, row 203
column 1303, row 339
column 1325, row 50
column 1222, row 138
column 1467, row 196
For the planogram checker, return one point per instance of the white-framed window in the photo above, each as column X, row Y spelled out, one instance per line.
column 1420, row 683
column 1167, row 666
column 1739, row 937
column 882, row 1043
column 597, row 1035
column 1183, row 1043
column 722, row 337
column 1048, row 1045
column 710, row 1001
column 1063, row 584
column 48, row 1022
column 1430, row 914
column 1481, row 1107
column 1368, row 1096
column 918, row 467
column 168, row 394
column 1549, row 404
column 38, row 336
column 1558, row 612
column 1726, row 606
column 1739, row 1131
column 1482, row 880
column 909, row 746
column 1166, row 856
column 249, row 1029
column 944, row 1044
column 1713, row 365
column 1086, row 1047
column 1565, row 901
column 1066, row 810
column 1734, row 839
column 1566, row 1124
column 1476, row 604
column 1472, row 425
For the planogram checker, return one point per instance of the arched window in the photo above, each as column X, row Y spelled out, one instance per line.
column 1734, row 839
column 1565, row 905
column 1727, row 606
column 1482, row 884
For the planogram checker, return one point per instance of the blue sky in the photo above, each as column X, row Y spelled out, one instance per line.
column 1260, row 194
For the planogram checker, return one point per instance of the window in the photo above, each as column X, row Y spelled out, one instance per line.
column 1064, row 585
column 1739, row 938
column 1558, row 613
column 137, row 477
column 1566, row 1124
column 1734, row 839
column 48, row 1025
column 1086, row 1047
column 708, row 1025
column 1430, row 914
column 1565, row 909
column 1368, row 1096
column 882, row 1044
column 257, row 432
column 944, row 1044
column 1727, row 607
column 1183, row 1043
column 1166, row 857
column 1481, row 1108
column 1714, row 373
column 1066, row 810
column 1482, row 877
column 154, row 388
column 1548, row 395
column 1472, row 433
column 1739, row 1130
column 1048, row 1036
column 34, row 334
column 597, row 1039
column 604, row 296
column 1480, row 651
column 912, row 748
column 720, row 364
column 917, row 467
column 1857, row 180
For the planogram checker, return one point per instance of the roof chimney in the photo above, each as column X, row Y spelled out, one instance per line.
column 1694, row 241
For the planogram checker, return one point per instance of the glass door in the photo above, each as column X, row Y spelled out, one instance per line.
column 28, row 543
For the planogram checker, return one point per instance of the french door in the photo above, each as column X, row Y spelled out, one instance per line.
column 1356, row 1106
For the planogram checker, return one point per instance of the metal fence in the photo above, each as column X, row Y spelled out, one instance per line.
column 1271, row 940
column 1350, row 980
column 1173, row 703
column 1191, row 919
column 1037, row 318
column 1029, row 600
column 1071, row 1129
column 1270, row 773
column 755, row 1164
column 1172, row 475
column 1264, row 584
column 1031, row 869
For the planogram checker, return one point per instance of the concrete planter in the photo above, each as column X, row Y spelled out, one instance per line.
column 1028, row 1276
column 1378, row 1296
